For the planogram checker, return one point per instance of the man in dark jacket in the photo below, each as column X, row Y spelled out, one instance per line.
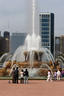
column 26, row 75
column 16, row 74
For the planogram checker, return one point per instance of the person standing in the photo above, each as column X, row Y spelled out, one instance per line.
column 49, row 78
column 55, row 75
column 13, row 76
column 16, row 74
column 58, row 74
column 21, row 76
column 26, row 75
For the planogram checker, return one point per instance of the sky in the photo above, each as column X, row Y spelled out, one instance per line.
column 15, row 15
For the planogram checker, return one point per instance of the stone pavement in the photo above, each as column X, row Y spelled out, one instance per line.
column 34, row 88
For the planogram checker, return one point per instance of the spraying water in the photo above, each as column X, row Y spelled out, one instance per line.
column 32, row 44
column 33, row 15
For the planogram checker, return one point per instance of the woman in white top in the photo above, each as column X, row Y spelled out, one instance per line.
column 58, row 75
column 49, row 76
column 21, row 76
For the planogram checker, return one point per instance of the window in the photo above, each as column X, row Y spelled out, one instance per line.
column 45, row 36
column 45, row 24
column 45, row 16
column 45, row 33
column 44, row 20
column 45, row 40
column 45, row 28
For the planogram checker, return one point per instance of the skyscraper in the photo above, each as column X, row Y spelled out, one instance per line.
column 7, row 39
column 47, row 30
column 17, row 39
column 6, row 34
column 5, row 43
column 57, row 46
column 0, row 33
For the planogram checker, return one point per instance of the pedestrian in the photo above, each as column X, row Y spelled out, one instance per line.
column 55, row 75
column 58, row 74
column 26, row 75
column 16, row 75
column 13, row 76
column 21, row 76
column 49, row 77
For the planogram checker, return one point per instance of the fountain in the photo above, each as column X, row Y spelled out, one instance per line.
column 32, row 55
column 3, row 57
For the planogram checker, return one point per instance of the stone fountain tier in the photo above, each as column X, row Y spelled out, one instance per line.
column 36, row 69
column 37, row 60
column 24, row 64
column 33, row 61
column 39, row 68
column 37, row 55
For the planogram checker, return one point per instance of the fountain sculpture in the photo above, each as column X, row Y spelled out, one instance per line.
column 32, row 55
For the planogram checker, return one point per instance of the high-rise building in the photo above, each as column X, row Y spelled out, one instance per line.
column 62, row 44
column 0, row 33
column 6, row 34
column 17, row 39
column 47, row 30
column 7, row 40
column 1, row 46
column 4, row 43
column 59, row 45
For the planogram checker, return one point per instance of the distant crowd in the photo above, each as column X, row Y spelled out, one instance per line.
column 22, row 75
column 56, row 75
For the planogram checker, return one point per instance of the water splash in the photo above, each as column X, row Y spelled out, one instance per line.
column 32, row 44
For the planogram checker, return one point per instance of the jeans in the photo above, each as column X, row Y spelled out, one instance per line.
column 25, row 79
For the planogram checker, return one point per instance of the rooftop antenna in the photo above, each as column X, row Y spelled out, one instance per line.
column 8, row 25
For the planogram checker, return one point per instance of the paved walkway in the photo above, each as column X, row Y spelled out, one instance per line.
column 34, row 88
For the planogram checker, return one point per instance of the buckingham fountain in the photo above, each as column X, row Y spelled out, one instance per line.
column 32, row 55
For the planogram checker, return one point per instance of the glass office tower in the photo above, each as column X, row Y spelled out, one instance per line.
column 17, row 39
column 47, row 30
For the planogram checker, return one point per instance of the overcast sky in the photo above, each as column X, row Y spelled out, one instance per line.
column 14, row 14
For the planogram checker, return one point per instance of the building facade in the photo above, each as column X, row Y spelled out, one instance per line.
column 59, row 45
column 47, row 30
column 0, row 33
column 62, row 44
column 17, row 39
column 6, row 34
column 4, row 43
